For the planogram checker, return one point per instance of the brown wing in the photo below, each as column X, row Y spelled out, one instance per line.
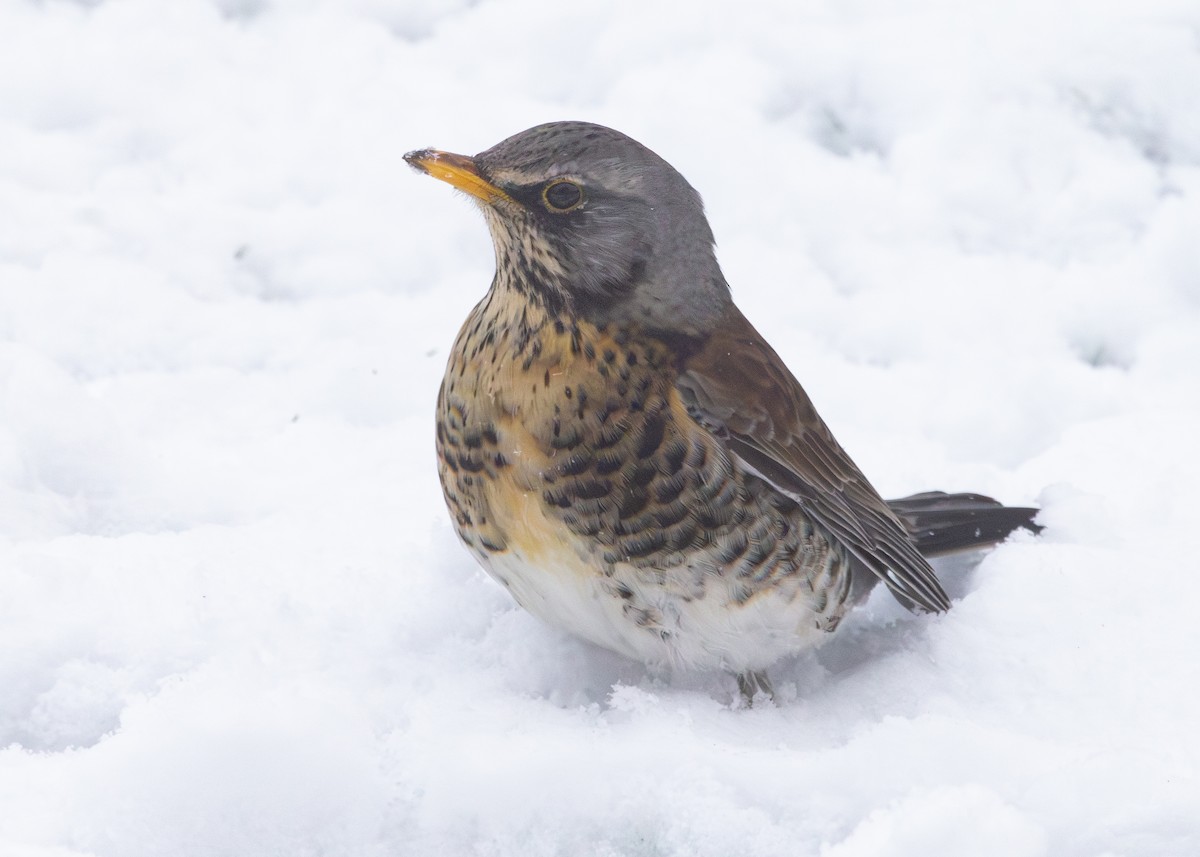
column 737, row 387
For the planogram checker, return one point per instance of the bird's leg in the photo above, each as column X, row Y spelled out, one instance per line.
column 753, row 683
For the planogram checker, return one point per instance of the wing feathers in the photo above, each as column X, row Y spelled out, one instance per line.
column 736, row 386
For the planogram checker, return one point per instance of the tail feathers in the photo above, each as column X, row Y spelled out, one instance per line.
column 941, row 523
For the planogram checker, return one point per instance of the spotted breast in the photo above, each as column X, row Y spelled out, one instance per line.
column 575, row 474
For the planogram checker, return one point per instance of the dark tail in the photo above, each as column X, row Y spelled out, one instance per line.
column 941, row 523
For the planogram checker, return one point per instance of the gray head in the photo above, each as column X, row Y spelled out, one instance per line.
column 593, row 223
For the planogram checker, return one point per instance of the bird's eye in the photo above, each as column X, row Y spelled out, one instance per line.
column 562, row 196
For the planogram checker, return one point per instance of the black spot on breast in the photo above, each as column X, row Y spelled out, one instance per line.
column 686, row 535
column 652, row 436
column 714, row 517
column 607, row 463
column 610, row 435
column 668, row 516
column 668, row 489
column 565, row 437
column 735, row 545
column 633, row 501
column 470, row 464
column 673, row 455
column 760, row 549
column 592, row 489
column 488, row 544
column 644, row 544
column 642, row 474
column 576, row 464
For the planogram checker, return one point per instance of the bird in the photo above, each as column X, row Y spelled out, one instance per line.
column 622, row 450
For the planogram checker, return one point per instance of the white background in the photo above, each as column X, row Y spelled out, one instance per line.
column 233, row 617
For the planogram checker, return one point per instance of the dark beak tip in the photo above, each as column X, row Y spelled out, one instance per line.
column 415, row 158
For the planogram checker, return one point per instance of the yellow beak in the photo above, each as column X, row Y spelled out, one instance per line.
column 457, row 170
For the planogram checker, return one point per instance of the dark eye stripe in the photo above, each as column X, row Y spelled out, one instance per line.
column 562, row 195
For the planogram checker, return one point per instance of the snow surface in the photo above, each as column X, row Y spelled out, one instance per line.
column 233, row 617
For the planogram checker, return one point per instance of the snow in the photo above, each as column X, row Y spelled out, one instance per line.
column 233, row 616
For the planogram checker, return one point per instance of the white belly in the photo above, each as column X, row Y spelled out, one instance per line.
column 708, row 632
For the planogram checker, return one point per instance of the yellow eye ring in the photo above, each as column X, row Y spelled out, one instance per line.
column 562, row 195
